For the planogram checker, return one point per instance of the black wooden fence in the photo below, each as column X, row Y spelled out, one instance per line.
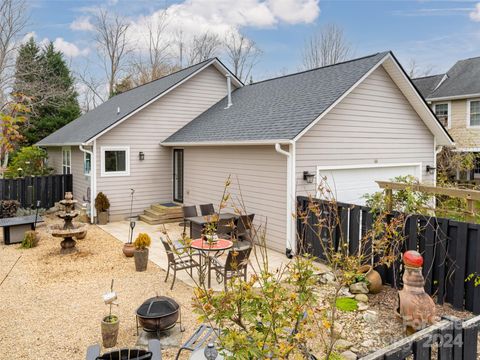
column 451, row 249
column 28, row 190
column 453, row 339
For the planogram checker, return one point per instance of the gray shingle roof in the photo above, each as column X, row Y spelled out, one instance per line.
column 427, row 84
column 462, row 79
column 275, row 109
column 93, row 122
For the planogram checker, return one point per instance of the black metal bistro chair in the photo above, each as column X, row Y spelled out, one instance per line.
column 188, row 211
column 207, row 209
column 235, row 266
column 178, row 262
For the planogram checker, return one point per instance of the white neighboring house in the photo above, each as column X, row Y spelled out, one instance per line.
column 178, row 138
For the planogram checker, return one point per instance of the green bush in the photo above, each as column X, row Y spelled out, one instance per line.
column 346, row 304
column 30, row 239
column 28, row 161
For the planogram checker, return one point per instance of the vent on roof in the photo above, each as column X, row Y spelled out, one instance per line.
column 118, row 110
column 229, row 90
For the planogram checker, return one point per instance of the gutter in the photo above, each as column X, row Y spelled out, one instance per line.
column 93, row 178
column 291, row 231
column 227, row 143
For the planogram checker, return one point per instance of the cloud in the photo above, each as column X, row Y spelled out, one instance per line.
column 69, row 49
column 28, row 36
column 294, row 11
column 82, row 24
column 475, row 14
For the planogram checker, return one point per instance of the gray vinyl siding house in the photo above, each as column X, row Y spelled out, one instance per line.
column 360, row 120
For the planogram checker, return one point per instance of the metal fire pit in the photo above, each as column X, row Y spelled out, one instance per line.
column 158, row 314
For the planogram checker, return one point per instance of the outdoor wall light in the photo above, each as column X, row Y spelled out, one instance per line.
column 308, row 177
column 141, row 156
column 430, row 169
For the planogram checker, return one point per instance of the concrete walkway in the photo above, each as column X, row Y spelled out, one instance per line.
column 157, row 253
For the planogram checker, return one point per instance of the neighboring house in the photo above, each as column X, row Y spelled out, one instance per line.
column 455, row 99
column 354, row 122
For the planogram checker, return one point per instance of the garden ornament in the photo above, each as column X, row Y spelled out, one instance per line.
column 210, row 352
column 416, row 307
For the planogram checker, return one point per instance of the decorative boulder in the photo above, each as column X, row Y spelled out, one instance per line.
column 359, row 288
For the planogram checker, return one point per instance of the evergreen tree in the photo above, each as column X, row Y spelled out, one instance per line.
column 43, row 75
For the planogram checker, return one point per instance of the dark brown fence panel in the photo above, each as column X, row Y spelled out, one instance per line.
column 27, row 191
column 451, row 249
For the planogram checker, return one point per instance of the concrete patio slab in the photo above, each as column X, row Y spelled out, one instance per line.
column 157, row 253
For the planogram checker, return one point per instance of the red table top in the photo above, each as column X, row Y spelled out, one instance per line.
column 221, row 244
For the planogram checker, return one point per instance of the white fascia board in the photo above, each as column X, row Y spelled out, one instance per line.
column 214, row 61
column 456, row 97
column 227, row 143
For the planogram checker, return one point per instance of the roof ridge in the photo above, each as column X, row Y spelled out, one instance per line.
column 165, row 76
column 319, row 68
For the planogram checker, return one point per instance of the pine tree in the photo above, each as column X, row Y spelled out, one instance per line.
column 44, row 76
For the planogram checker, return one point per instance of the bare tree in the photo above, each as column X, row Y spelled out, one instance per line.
column 13, row 19
column 242, row 54
column 326, row 47
column 111, row 37
column 414, row 70
column 204, row 46
column 92, row 90
column 153, row 64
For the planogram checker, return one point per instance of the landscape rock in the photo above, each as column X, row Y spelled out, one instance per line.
column 359, row 288
column 370, row 316
column 362, row 298
column 362, row 306
column 368, row 343
column 348, row 355
column 343, row 344
column 327, row 278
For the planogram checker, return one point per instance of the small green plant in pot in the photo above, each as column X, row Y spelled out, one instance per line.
column 102, row 205
column 142, row 243
column 111, row 322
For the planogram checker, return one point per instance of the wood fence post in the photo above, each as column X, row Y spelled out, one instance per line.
column 470, row 210
column 389, row 199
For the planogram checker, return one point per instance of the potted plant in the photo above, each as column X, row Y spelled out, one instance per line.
column 110, row 323
column 128, row 247
column 102, row 205
column 142, row 242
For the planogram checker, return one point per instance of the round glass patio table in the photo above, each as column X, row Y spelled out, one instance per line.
column 207, row 250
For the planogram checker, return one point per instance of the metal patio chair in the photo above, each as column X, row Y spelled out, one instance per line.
column 207, row 209
column 178, row 262
column 188, row 211
column 203, row 334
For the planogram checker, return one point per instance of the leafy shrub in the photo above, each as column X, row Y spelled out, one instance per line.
column 101, row 202
column 29, row 161
column 346, row 304
column 142, row 241
column 30, row 239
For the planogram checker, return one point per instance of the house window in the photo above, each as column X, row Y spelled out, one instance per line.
column 443, row 113
column 474, row 112
column 66, row 160
column 115, row 161
column 87, row 163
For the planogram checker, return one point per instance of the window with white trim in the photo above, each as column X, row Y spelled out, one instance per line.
column 443, row 113
column 87, row 163
column 115, row 161
column 66, row 160
column 474, row 112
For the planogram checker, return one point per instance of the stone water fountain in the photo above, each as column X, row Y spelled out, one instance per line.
column 68, row 230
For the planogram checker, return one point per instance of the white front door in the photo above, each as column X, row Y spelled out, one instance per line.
column 350, row 183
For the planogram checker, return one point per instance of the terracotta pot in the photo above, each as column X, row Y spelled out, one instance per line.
column 110, row 332
column 128, row 250
column 141, row 259
column 102, row 218
column 373, row 277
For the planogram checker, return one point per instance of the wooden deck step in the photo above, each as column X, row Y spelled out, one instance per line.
column 158, row 214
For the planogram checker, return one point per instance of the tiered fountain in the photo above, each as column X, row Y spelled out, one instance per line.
column 68, row 230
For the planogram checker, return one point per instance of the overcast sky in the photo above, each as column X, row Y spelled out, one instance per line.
column 435, row 33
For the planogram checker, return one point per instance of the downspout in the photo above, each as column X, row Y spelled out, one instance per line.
column 290, row 185
column 92, row 181
column 437, row 150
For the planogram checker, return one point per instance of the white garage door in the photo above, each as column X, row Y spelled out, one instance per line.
column 351, row 183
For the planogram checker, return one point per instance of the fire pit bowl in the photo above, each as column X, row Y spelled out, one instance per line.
column 158, row 313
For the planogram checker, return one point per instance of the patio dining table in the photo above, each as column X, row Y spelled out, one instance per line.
column 207, row 250
column 197, row 223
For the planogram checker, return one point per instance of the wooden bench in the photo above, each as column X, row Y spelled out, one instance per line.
column 14, row 228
